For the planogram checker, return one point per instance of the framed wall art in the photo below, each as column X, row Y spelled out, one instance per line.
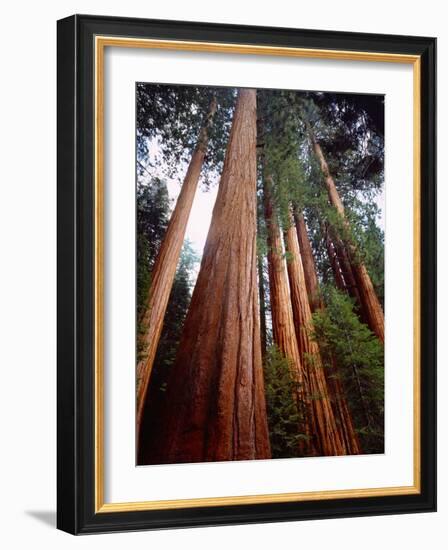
column 246, row 274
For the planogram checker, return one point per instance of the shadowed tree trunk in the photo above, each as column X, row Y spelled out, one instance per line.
column 370, row 304
column 335, row 265
column 215, row 395
column 342, row 268
column 283, row 329
column 335, row 387
column 328, row 437
column 350, row 282
column 164, row 269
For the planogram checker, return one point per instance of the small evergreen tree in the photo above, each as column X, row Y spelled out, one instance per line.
column 284, row 415
column 343, row 339
column 153, row 210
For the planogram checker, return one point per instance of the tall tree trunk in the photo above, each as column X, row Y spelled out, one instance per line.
column 283, row 329
column 215, row 395
column 369, row 300
column 164, row 269
column 332, row 375
column 335, row 265
column 312, row 284
column 342, row 268
column 350, row 282
column 329, row 439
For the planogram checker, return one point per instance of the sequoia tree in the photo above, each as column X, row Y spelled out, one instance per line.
column 283, row 328
column 328, row 437
column 308, row 345
column 309, row 267
column 370, row 304
column 164, row 269
column 215, row 404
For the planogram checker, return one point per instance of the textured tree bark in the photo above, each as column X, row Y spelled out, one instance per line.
column 348, row 274
column 215, row 395
column 370, row 304
column 335, row 265
column 164, row 269
column 336, row 392
column 312, row 284
column 283, row 328
column 342, row 412
column 342, row 269
column 328, row 439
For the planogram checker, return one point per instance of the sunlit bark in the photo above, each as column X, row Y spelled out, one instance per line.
column 336, row 392
column 164, row 270
column 215, row 395
column 327, row 436
column 283, row 328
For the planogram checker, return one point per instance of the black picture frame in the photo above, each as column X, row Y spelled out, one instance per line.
column 76, row 262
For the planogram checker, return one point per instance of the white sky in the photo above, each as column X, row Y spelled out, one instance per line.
column 204, row 201
column 201, row 213
column 379, row 199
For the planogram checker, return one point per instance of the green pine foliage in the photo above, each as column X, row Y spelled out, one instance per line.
column 152, row 215
column 171, row 116
column 350, row 135
column 177, row 308
column 284, row 415
column 344, row 340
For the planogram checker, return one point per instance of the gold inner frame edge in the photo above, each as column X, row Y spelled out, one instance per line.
column 213, row 47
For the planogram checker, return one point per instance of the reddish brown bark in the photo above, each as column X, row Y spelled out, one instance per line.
column 215, row 395
column 370, row 304
column 335, row 265
column 164, row 270
column 283, row 328
column 342, row 269
column 309, row 268
column 348, row 273
column 342, row 412
column 335, row 387
column 328, row 439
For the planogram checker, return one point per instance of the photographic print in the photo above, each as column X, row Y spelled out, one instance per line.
column 238, row 208
column 260, row 274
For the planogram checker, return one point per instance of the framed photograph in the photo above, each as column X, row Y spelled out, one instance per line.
column 246, row 274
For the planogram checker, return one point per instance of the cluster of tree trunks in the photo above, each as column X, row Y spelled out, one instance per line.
column 325, row 429
column 336, row 392
column 350, row 266
column 164, row 269
column 215, row 398
column 283, row 328
column 215, row 401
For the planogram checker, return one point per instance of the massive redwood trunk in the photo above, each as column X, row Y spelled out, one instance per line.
column 215, row 406
column 164, row 269
column 370, row 304
column 329, row 440
column 283, row 328
column 335, row 386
